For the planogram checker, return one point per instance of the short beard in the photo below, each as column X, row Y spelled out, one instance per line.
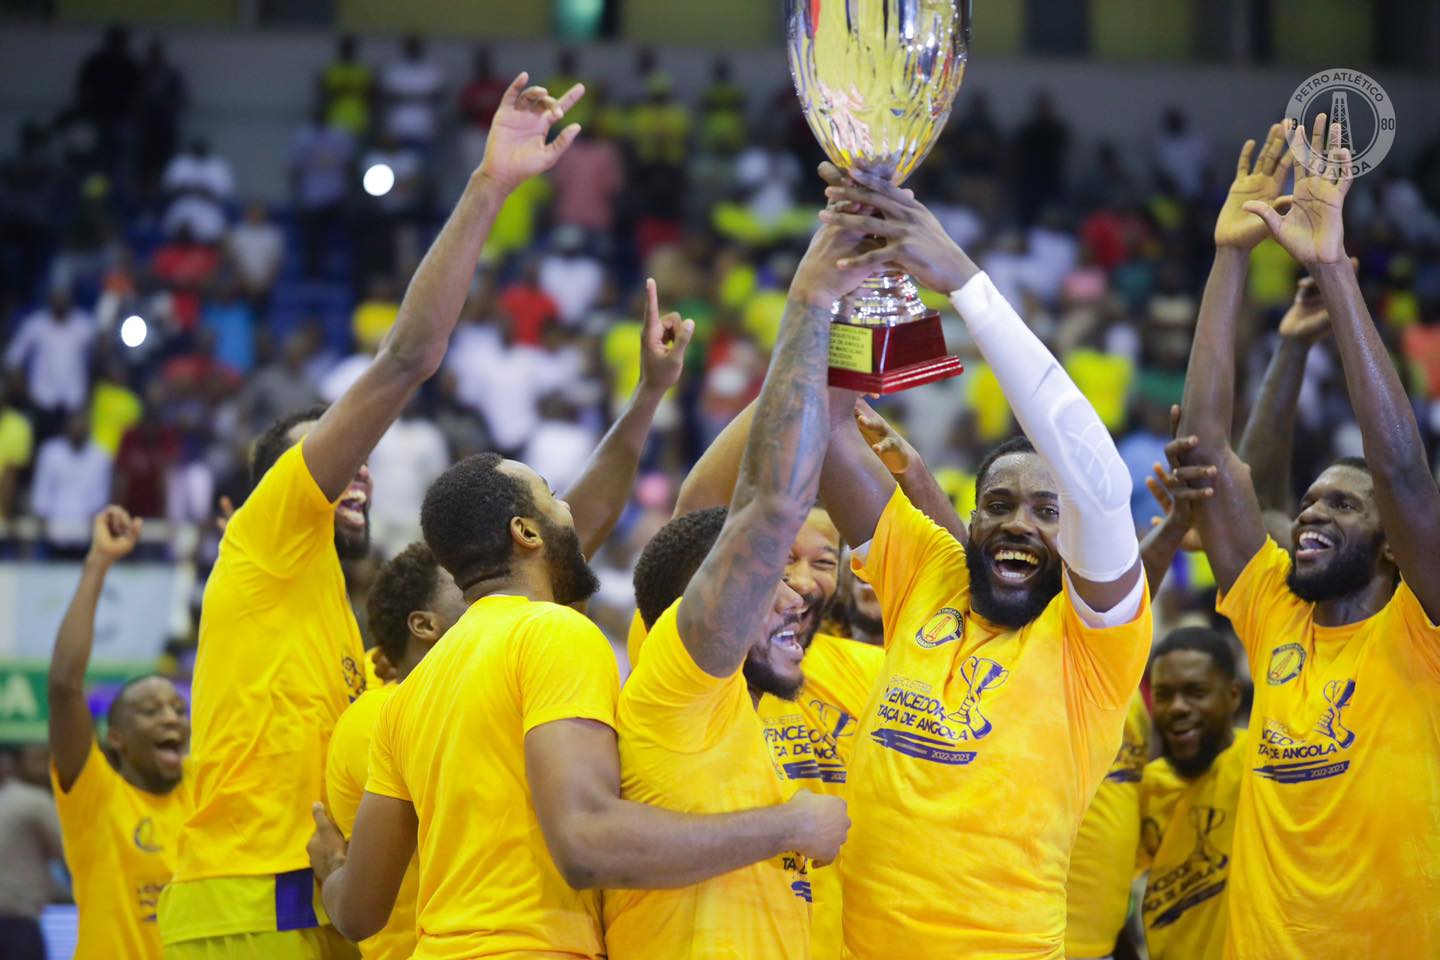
column 1006, row 611
column 1212, row 742
column 762, row 679
column 571, row 579
column 1349, row 571
column 353, row 546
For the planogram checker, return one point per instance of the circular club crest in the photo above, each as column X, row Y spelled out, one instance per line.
column 1285, row 664
column 1364, row 111
column 941, row 628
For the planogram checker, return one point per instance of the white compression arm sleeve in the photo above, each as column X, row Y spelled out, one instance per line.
column 1097, row 535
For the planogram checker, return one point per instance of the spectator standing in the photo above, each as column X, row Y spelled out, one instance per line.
column 229, row 317
column 346, row 89
column 1181, row 155
column 410, row 455
column 571, row 277
column 17, row 444
column 411, row 88
column 479, row 99
column 29, row 183
column 185, row 267
column 90, row 241
column 159, row 106
column 321, row 166
column 528, row 307
column 1041, row 146
column 71, row 485
column 198, row 184
column 53, row 347
column 588, row 182
column 106, row 90
column 148, row 451
column 280, row 386
column 29, row 841
column 114, row 407
column 255, row 249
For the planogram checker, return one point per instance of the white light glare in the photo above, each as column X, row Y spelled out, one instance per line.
column 133, row 331
column 378, row 180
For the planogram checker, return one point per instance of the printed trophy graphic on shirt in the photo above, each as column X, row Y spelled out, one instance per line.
column 876, row 79
column 979, row 675
column 1338, row 694
column 1204, row 821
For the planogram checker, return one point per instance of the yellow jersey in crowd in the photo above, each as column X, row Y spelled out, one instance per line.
column 279, row 660
column 1187, row 839
column 451, row 741
column 1338, row 839
column 977, row 760
column 120, row 851
column 694, row 743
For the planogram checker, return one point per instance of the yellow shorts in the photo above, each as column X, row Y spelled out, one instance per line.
column 315, row 943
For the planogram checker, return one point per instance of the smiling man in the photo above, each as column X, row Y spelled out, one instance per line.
column 1335, row 845
column 120, row 805
column 1189, row 795
column 280, row 653
column 1010, row 659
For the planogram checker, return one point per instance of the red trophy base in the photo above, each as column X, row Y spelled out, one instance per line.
column 883, row 360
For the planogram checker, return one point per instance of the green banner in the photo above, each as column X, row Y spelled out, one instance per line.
column 25, row 698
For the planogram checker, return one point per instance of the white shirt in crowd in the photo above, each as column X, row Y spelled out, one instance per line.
column 55, row 353
column 411, row 87
column 558, row 449
column 408, row 458
column 256, row 249
column 201, row 186
column 71, row 486
column 574, row 282
column 506, row 386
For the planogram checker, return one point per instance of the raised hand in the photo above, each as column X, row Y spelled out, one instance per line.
column 1260, row 184
column 663, row 342
column 829, row 269
column 893, row 450
column 114, row 534
column 911, row 238
column 516, row 148
column 1313, row 230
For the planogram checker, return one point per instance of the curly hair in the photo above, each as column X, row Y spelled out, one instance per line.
column 671, row 558
column 270, row 445
column 466, row 518
column 406, row 583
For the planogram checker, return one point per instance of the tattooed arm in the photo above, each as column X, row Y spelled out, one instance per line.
column 730, row 596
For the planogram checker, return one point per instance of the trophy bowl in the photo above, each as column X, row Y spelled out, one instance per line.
column 876, row 80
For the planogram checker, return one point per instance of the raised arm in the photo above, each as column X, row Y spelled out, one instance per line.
column 598, row 496
column 71, row 728
column 909, row 470
column 730, row 595
column 1405, row 492
column 1176, row 490
column 1096, row 538
column 1230, row 522
column 1269, row 437
column 515, row 151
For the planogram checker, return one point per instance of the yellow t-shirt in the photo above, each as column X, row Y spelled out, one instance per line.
column 17, row 441
column 346, row 770
column 113, row 410
column 1102, row 862
column 280, row 659
column 451, row 741
column 1187, row 831
column 977, row 759
column 635, row 639
column 694, row 743
column 1338, row 842
column 1104, row 379
column 811, row 741
column 120, row 850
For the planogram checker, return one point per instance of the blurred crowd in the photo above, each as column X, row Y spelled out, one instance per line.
column 155, row 319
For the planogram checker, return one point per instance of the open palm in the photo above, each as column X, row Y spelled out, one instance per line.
column 1259, row 184
column 516, row 148
column 1313, row 230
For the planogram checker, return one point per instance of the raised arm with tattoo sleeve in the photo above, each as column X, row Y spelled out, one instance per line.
column 1405, row 492
column 598, row 496
column 71, row 728
column 909, row 470
column 1094, row 485
column 1231, row 525
column 412, row 351
column 728, row 598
